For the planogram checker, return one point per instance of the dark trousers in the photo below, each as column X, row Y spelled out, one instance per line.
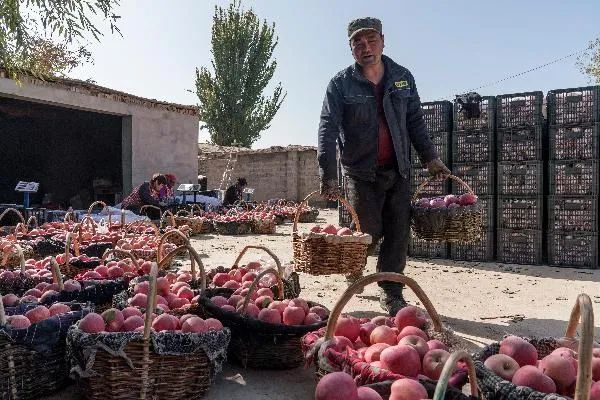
column 383, row 209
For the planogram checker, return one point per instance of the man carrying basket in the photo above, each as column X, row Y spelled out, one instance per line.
column 373, row 112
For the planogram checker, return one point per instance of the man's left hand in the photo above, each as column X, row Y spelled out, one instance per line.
column 437, row 169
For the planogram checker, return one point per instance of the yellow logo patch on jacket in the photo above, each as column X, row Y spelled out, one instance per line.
column 401, row 84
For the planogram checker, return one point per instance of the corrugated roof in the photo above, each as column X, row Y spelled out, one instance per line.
column 91, row 89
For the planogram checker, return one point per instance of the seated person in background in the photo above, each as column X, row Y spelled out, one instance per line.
column 146, row 194
column 81, row 200
column 234, row 192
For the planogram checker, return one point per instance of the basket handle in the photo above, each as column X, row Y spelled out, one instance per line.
column 254, row 286
column 448, row 370
column 195, row 259
column 269, row 252
column 341, row 199
column 104, row 207
column 88, row 222
column 357, row 286
column 69, row 216
column 151, row 305
column 183, row 213
column 136, row 224
column 19, row 249
column 583, row 309
column 70, row 239
column 193, row 207
column 121, row 252
column 56, row 275
column 30, row 219
column 171, row 218
column 21, row 228
column 2, row 313
column 161, row 242
column 13, row 211
column 453, row 177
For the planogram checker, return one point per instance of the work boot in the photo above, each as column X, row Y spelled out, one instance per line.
column 392, row 303
column 350, row 279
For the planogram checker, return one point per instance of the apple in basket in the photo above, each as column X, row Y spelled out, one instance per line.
column 467, row 199
column 437, row 202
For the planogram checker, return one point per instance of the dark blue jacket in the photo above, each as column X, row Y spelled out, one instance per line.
column 349, row 118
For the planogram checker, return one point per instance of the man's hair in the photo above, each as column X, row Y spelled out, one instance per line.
column 159, row 178
column 242, row 181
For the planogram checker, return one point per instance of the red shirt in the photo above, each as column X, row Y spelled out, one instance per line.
column 385, row 152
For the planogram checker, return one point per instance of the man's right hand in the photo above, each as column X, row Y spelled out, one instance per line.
column 330, row 189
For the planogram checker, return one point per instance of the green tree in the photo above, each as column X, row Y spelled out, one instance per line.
column 47, row 37
column 232, row 105
column 589, row 61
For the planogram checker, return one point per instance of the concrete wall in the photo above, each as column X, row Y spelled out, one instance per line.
column 288, row 174
column 160, row 139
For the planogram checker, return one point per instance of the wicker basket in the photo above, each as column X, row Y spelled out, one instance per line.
column 149, row 375
column 362, row 372
column 263, row 226
column 494, row 387
column 461, row 224
column 308, row 216
column 22, row 283
column 232, row 228
column 258, row 344
column 317, row 256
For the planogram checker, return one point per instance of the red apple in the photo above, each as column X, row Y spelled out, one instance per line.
column 401, row 359
column 416, row 342
column 407, row 389
column 410, row 316
column 532, row 377
column 502, row 365
column 433, row 363
column 519, row 350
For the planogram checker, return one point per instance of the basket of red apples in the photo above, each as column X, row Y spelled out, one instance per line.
column 451, row 218
column 32, row 349
column 340, row 385
column 241, row 277
column 330, row 250
column 233, row 223
column 26, row 276
column 542, row 368
column 266, row 330
column 381, row 349
column 127, row 354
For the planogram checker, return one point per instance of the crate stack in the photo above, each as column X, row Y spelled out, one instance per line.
column 521, row 211
column 438, row 119
column 473, row 160
column 574, row 118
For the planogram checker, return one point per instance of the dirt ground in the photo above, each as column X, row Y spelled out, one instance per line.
column 480, row 301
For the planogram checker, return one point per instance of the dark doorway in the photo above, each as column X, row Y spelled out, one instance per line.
column 76, row 156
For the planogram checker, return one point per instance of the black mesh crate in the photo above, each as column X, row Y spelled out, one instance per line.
column 574, row 106
column 521, row 179
column 486, row 119
column 419, row 248
column 573, row 213
column 344, row 217
column 573, row 249
column 520, row 212
column 519, row 110
column 574, row 142
column 438, row 116
column 481, row 250
column 479, row 176
column 574, row 178
column 473, row 146
column 519, row 246
column 488, row 206
column 433, row 188
column 520, row 144
column 40, row 214
column 441, row 142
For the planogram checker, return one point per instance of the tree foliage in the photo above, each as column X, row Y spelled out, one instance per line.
column 232, row 105
column 47, row 37
column 589, row 61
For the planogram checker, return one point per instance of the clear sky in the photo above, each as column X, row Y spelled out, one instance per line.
column 449, row 46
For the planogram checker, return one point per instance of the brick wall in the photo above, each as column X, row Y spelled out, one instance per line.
column 278, row 172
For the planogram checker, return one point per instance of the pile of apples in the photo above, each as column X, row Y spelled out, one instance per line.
column 518, row 362
column 37, row 270
column 145, row 242
column 116, row 269
column 262, row 307
column 339, row 385
column 42, row 293
column 36, row 314
column 173, row 292
column 241, row 277
column 238, row 217
column 449, row 201
column 331, row 230
column 132, row 319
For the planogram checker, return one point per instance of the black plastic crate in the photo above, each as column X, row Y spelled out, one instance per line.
column 519, row 246
column 573, row 249
column 438, row 116
column 521, row 179
column 441, row 142
column 40, row 214
column 488, row 205
column 433, row 188
column 479, row 176
column 520, row 212
column 574, row 178
column 473, row 146
column 519, row 110
column 574, row 106
column 481, row 250
column 420, row 248
column 574, row 142
column 345, row 219
column 573, row 213
column 520, row 144
column 486, row 120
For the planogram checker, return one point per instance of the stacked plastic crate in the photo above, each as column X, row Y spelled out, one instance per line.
column 574, row 117
column 438, row 119
column 520, row 220
column 473, row 160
